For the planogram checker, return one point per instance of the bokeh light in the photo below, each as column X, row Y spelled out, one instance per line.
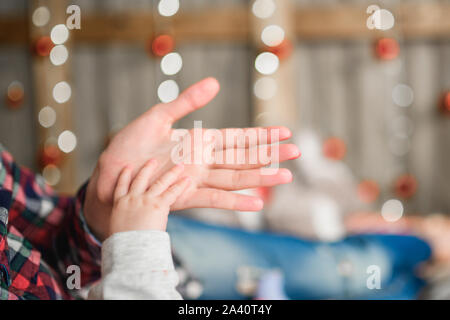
column 392, row 210
column 171, row 63
column 368, row 191
column 403, row 95
column 272, row 35
column 267, row 63
column 387, row 49
column 59, row 34
column 51, row 174
column 67, row 141
column 383, row 19
column 47, row 117
column 168, row 8
column 41, row 16
column 62, row 92
column 405, row 186
column 59, row 55
column 162, row 45
column 43, row 46
column 15, row 94
column 263, row 9
column 265, row 88
column 168, row 91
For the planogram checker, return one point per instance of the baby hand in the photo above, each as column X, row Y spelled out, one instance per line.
column 138, row 206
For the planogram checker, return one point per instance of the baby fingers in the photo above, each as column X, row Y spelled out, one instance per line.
column 165, row 181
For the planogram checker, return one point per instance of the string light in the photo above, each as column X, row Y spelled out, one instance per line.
column 51, row 174
column 272, row 35
column 59, row 55
column 263, row 9
column 67, row 141
column 41, row 16
column 62, row 92
column 265, row 88
column 402, row 95
column 171, row 63
column 168, row 91
column 392, row 210
column 168, row 8
column 267, row 63
column 59, row 34
column 15, row 94
column 383, row 19
column 47, row 117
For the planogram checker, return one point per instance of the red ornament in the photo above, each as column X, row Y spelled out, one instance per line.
column 444, row 104
column 15, row 95
column 43, row 46
column 50, row 155
column 405, row 186
column 387, row 49
column 368, row 191
column 283, row 50
column 161, row 45
column 334, row 148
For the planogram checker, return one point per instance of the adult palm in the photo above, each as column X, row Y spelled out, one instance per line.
column 151, row 136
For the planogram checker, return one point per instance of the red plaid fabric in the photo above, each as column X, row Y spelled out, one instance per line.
column 41, row 235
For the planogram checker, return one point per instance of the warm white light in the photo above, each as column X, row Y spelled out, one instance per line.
column 59, row 55
column 194, row 289
column 67, row 141
column 402, row 126
column 392, row 210
column 403, row 95
column 383, row 19
column 272, row 35
column 47, row 117
column 171, row 63
column 41, row 16
column 51, row 174
column 263, row 9
column 168, row 8
column 168, row 91
column 267, row 63
column 265, row 88
column 59, row 34
column 62, row 92
column 399, row 146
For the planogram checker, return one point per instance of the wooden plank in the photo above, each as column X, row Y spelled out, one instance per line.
column 342, row 22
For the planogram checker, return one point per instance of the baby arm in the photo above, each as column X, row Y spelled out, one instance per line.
column 136, row 257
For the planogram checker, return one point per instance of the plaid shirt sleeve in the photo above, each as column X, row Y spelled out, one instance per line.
column 53, row 224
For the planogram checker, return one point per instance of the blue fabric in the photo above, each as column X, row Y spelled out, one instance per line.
column 311, row 269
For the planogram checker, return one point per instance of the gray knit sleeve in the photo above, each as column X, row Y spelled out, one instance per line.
column 137, row 265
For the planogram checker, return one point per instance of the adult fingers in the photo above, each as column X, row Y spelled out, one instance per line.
column 255, row 157
column 220, row 199
column 249, row 137
column 193, row 98
column 227, row 179
column 141, row 181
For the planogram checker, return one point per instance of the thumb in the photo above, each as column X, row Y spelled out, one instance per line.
column 193, row 98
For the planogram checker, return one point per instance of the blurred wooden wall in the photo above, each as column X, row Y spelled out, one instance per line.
column 342, row 90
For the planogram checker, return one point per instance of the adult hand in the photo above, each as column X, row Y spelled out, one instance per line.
column 151, row 137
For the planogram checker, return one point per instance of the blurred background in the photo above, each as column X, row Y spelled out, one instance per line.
column 364, row 85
